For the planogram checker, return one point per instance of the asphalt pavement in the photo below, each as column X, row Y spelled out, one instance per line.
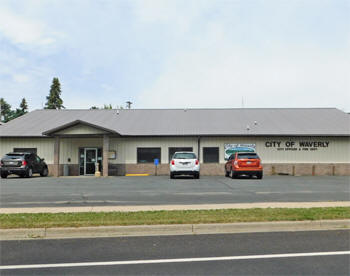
column 160, row 190
column 274, row 253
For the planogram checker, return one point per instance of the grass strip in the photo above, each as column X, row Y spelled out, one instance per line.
column 48, row 220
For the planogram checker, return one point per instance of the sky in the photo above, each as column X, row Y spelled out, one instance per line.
column 177, row 53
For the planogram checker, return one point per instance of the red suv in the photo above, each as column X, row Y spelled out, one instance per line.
column 244, row 163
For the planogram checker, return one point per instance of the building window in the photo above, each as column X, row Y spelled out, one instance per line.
column 31, row 150
column 211, row 155
column 173, row 150
column 147, row 155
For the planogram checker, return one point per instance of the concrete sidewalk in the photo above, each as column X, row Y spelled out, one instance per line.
column 177, row 229
column 137, row 208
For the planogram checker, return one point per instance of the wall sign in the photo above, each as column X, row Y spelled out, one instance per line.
column 233, row 148
column 296, row 145
column 112, row 154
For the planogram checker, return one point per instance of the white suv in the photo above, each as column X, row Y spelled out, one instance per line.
column 184, row 163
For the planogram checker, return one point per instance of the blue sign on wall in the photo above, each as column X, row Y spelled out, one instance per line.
column 156, row 162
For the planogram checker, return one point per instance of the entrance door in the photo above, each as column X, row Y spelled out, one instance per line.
column 90, row 160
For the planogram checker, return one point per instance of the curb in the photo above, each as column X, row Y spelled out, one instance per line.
column 177, row 229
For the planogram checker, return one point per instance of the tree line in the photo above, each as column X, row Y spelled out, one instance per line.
column 53, row 101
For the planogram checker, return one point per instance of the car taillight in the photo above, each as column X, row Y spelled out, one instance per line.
column 235, row 163
column 172, row 162
column 197, row 162
column 24, row 163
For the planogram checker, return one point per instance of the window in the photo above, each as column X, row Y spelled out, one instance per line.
column 184, row 155
column 247, row 156
column 173, row 150
column 31, row 157
column 14, row 156
column 147, row 155
column 211, row 155
column 31, row 150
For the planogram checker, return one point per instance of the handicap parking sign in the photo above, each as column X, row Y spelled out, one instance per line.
column 156, row 162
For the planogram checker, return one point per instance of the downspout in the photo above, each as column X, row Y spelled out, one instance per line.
column 199, row 148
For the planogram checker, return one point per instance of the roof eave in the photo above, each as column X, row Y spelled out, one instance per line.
column 51, row 132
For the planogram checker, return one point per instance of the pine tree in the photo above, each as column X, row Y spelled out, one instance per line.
column 106, row 106
column 5, row 110
column 54, row 100
column 24, row 106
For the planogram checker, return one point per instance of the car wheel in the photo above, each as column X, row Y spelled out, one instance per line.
column 227, row 174
column 4, row 175
column 29, row 173
column 45, row 172
column 22, row 175
column 259, row 175
column 171, row 176
column 196, row 176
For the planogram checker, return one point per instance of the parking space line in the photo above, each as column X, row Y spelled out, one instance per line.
column 180, row 260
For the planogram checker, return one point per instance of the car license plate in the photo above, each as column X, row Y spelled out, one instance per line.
column 12, row 163
column 249, row 162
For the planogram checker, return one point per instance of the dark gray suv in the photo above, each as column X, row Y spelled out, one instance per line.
column 23, row 164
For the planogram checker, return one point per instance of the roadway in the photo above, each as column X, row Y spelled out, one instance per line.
column 160, row 190
column 272, row 253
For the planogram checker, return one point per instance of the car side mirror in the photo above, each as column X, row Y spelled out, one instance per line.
column 42, row 159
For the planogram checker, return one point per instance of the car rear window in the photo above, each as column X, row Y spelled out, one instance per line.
column 184, row 155
column 247, row 156
column 13, row 156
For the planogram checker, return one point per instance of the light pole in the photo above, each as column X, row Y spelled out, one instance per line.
column 128, row 104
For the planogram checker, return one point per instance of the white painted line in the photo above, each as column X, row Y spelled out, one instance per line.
column 184, row 260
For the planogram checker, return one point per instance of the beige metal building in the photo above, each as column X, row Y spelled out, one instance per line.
column 311, row 141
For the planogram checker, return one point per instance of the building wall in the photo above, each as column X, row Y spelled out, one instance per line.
column 126, row 148
column 332, row 159
column 69, row 148
column 43, row 145
column 81, row 129
column 337, row 150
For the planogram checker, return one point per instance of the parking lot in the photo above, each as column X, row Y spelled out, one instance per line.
column 159, row 190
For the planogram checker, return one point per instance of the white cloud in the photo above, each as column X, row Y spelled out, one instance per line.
column 217, row 72
column 177, row 15
column 23, row 30
column 20, row 78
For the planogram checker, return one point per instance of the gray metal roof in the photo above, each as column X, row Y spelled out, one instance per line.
column 189, row 122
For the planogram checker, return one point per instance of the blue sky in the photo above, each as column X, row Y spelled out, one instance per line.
column 176, row 54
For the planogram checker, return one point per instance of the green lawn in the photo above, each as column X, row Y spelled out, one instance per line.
column 170, row 217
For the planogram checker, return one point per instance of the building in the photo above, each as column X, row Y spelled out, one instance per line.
column 296, row 141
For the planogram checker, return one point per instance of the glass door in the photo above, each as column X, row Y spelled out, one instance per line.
column 90, row 160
